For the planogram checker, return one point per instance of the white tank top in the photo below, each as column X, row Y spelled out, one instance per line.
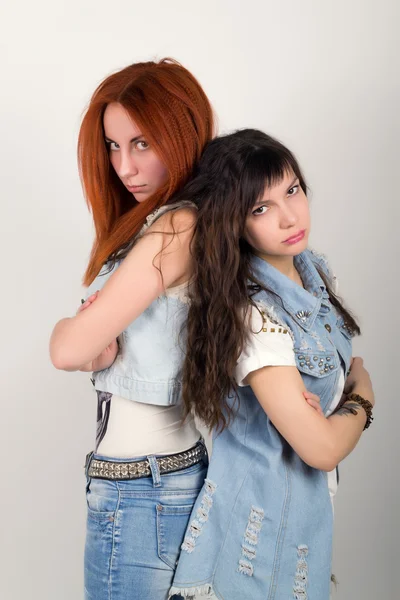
column 135, row 429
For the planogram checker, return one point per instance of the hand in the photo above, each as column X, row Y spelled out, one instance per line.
column 107, row 357
column 358, row 381
column 85, row 304
column 314, row 401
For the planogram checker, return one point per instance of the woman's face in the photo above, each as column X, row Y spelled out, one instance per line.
column 279, row 223
column 134, row 161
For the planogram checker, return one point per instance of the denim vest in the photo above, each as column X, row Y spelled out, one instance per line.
column 261, row 528
column 151, row 352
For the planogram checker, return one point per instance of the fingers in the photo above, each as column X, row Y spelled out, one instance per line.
column 316, row 406
column 356, row 361
column 86, row 303
column 83, row 306
column 309, row 396
column 314, row 401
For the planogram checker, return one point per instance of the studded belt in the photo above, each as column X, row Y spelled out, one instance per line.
column 108, row 469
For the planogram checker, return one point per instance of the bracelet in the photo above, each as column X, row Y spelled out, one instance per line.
column 365, row 404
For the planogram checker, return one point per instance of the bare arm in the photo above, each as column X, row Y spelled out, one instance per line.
column 103, row 361
column 322, row 443
column 107, row 356
column 77, row 341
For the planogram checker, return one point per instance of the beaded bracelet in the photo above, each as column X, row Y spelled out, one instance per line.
column 365, row 404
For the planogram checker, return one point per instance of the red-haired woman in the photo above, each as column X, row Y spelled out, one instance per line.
column 142, row 134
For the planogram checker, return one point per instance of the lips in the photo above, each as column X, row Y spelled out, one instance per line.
column 135, row 188
column 294, row 239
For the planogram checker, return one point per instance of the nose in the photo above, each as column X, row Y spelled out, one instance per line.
column 127, row 166
column 287, row 217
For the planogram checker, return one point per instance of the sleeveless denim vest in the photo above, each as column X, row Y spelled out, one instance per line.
column 261, row 528
column 151, row 352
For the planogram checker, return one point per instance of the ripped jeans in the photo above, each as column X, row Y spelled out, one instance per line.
column 135, row 529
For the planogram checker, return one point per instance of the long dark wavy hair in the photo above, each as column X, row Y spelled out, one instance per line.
column 230, row 177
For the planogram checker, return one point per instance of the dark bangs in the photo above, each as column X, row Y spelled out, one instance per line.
column 266, row 165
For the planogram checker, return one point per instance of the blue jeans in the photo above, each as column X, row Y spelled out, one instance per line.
column 134, row 532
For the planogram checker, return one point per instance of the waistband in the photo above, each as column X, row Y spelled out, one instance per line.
column 123, row 470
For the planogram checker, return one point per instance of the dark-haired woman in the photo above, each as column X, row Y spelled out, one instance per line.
column 264, row 324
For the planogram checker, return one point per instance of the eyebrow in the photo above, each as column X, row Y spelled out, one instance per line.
column 135, row 139
column 259, row 202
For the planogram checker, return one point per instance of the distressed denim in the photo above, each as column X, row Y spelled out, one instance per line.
column 261, row 528
column 134, row 532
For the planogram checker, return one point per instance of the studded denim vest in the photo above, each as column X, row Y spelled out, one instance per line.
column 150, row 357
column 261, row 527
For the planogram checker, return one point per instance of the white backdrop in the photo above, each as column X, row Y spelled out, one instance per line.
column 319, row 74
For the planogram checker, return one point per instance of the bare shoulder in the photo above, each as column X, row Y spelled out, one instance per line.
column 178, row 221
column 163, row 251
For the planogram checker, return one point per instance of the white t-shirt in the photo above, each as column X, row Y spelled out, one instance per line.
column 271, row 345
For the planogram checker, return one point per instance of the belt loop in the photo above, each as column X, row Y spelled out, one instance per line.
column 155, row 470
column 205, row 451
column 87, row 465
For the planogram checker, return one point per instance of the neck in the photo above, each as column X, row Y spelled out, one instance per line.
column 283, row 264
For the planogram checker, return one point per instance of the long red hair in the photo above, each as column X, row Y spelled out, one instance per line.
column 175, row 116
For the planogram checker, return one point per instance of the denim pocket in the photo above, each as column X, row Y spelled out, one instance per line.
column 316, row 363
column 172, row 522
column 102, row 501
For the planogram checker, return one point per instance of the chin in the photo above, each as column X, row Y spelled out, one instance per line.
column 302, row 246
column 140, row 197
column 297, row 249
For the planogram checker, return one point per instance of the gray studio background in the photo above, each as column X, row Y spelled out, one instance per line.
column 323, row 76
